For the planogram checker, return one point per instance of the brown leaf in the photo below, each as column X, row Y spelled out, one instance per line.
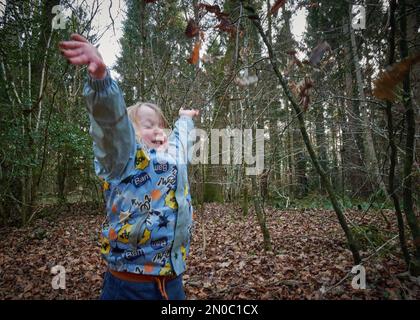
column 387, row 81
column 226, row 26
column 195, row 55
column 318, row 53
column 192, row 29
column 276, row 6
column 209, row 8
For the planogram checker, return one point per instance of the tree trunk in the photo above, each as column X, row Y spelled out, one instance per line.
column 352, row 146
column 371, row 160
column 409, row 147
column 259, row 211
column 393, row 154
column 321, row 141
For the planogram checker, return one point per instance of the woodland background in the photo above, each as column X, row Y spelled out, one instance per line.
column 341, row 184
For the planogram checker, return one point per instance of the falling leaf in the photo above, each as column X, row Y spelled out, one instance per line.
column 192, row 29
column 308, row 5
column 387, row 81
column 224, row 22
column 302, row 91
column 312, row 5
column 202, row 35
column 195, row 55
column 243, row 82
column 226, row 26
column 209, row 8
column 207, row 59
column 318, row 53
column 276, row 6
column 246, row 80
column 210, row 59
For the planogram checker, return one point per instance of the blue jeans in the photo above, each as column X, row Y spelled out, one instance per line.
column 116, row 289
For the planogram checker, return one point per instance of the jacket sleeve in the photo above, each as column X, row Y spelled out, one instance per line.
column 181, row 140
column 113, row 135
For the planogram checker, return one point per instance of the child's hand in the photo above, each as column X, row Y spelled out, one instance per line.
column 189, row 113
column 80, row 52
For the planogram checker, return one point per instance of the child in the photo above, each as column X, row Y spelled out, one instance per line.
column 145, row 239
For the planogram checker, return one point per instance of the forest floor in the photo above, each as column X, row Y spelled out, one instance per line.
column 309, row 259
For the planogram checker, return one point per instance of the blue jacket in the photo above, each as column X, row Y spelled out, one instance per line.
column 148, row 203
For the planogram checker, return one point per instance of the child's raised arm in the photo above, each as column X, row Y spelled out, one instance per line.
column 113, row 135
column 180, row 141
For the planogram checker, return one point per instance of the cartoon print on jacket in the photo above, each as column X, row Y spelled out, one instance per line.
column 142, row 160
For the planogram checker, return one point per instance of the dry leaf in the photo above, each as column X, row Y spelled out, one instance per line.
column 276, row 6
column 226, row 26
column 195, row 55
column 302, row 91
column 209, row 8
column 192, row 29
column 318, row 53
column 246, row 80
column 387, row 81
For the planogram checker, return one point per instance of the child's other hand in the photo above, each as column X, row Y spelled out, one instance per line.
column 189, row 113
column 80, row 52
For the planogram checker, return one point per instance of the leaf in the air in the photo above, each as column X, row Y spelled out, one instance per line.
column 318, row 53
column 209, row 8
column 387, row 80
column 246, row 80
column 195, row 55
column 276, row 6
column 226, row 26
column 192, row 29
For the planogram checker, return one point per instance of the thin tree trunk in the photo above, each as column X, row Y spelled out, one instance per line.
column 393, row 155
column 352, row 146
column 409, row 147
column 260, row 215
column 370, row 159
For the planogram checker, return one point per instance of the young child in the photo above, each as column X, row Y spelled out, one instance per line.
column 145, row 239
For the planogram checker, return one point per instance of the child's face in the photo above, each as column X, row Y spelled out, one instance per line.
column 151, row 130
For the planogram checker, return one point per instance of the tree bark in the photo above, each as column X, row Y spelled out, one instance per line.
column 393, row 154
column 371, row 160
column 260, row 215
column 352, row 146
column 409, row 146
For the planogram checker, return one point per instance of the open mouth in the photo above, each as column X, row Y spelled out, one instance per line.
column 156, row 142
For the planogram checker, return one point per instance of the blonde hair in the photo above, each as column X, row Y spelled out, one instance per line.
column 134, row 116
